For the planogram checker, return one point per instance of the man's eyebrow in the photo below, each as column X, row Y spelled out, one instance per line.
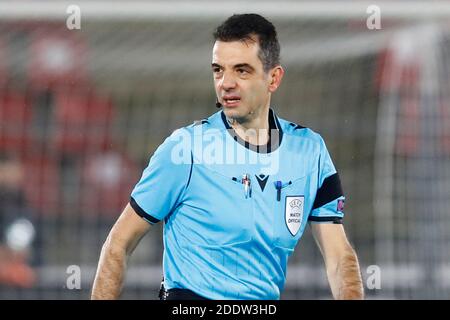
column 243, row 65
column 236, row 66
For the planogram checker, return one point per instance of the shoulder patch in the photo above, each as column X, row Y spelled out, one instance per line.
column 200, row 122
column 296, row 126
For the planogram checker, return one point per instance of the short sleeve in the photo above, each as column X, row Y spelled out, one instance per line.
column 160, row 189
column 328, row 205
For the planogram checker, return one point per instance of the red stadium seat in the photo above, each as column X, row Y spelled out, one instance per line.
column 42, row 184
column 107, row 181
column 399, row 77
column 15, row 121
column 82, row 122
column 3, row 64
column 57, row 58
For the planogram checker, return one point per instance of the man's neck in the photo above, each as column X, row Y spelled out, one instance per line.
column 256, row 130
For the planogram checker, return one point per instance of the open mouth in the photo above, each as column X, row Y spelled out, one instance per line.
column 231, row 101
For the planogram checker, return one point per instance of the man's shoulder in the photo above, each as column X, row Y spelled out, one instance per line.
column 297, row 131
column 206, row 126
column 214, row 121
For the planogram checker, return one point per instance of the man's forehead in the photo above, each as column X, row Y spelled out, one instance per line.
column 244, row 44
column 224, row 51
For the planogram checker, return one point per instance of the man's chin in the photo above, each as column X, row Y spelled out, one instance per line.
column 232, row 113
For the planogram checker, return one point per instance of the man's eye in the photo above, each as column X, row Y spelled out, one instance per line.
column 216, row 70
column 242, row 71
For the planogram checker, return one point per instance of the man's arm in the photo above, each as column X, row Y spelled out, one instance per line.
column 340, row 259
column 122, row 240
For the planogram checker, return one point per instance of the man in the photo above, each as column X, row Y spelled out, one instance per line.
column 16, row 229
column 236, row 190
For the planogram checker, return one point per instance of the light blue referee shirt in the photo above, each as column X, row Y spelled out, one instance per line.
column 233, row 212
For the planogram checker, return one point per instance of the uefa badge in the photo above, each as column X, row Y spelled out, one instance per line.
column 294, row 213
column 340, row 205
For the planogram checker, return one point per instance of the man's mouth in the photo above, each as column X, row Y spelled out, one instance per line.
column 231, row 101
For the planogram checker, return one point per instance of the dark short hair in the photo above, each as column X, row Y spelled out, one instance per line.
column 244, row 27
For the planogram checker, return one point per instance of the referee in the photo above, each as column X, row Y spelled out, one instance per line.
column 236, row 190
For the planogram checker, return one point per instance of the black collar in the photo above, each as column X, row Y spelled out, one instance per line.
column 275, row 135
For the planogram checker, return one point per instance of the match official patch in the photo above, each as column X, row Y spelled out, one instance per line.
column 293, row 213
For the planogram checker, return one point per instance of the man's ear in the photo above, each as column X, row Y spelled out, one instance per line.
column 276, row 75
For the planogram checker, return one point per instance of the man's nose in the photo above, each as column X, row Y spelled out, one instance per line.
column 228, row 82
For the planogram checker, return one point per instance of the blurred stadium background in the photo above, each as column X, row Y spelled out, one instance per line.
column 82, row 110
